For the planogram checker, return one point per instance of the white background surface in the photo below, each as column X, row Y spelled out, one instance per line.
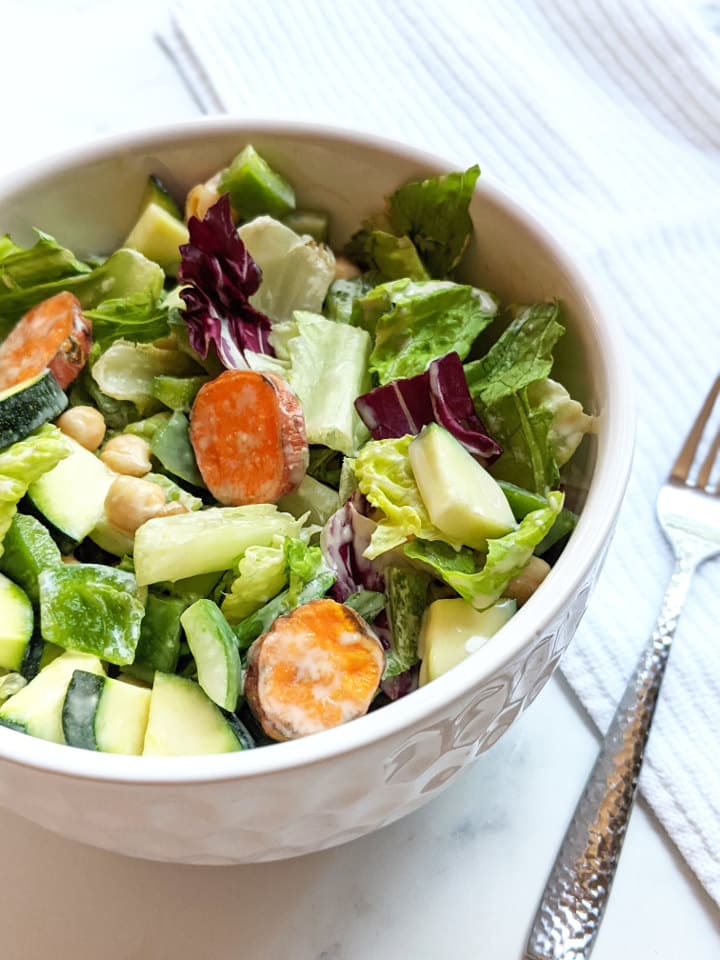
column 461, row 877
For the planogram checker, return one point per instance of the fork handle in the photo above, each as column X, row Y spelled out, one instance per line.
column 577, row 890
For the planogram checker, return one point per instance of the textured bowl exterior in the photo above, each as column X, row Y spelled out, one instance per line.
column 299, row 797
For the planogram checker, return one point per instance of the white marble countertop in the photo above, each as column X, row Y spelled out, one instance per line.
column 459, row 878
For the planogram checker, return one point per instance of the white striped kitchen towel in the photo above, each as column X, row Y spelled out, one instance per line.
column 603, row 117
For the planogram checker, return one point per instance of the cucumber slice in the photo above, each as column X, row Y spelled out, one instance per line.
column 184, row 721
column 16, row 624
column 29, row 549
column 158, row 235
column 453, row 629
column 104, row 714
column 38, row 654
column 28, row 405
column 91, row 608
column 177, row 393
column 310, row 223
column 461, row 497
column 174, row 548
column 110, row 539
column 215, row 650
column 156, row 192
column 255, row 188
column 72, row 494
column 37, row 708
column 313, row 497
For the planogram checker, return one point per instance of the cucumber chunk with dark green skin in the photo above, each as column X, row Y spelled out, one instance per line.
column 184, row 721
column 255, row 188
column 37, row 708
column 78, row 713
column 156, row 192
column 28, row 550
column 26, row 406
column 103, row 714
column 92, row 608
column 215, row 650
column 72, row 495
column 16, row 624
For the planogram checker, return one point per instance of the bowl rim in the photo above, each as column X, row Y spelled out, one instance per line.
column 610, row 478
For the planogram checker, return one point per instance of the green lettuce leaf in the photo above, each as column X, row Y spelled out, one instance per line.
column 123, row 274
column 524, row 432
column 304, row 563
column 522, row 355
column 296, row 271
column 506, row 557
column 46, row 260
column 416, row 322
column 434, row 214
column 569, row 422
column 391, row 257
column 261, row 574
column 328, row 370
column 138, row 317
column 385, row 477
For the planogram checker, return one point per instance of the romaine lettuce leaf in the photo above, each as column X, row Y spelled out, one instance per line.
column 328, row 369
column 304, row 563
column 520, row 356
column 296, row 271
column 416, row 322
column 139, row 318
column 123, row 274
column 523, row 431
column 434, row 214
column 261, row 573
column 569, row 422
column 391, row 257
column 506, row 557
column 385, row 477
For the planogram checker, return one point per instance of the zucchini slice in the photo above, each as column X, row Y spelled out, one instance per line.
column 37, row 708
column 27, row 405
column 104, row 714
column 215, row 649
column 185, row 722
column 16, row 624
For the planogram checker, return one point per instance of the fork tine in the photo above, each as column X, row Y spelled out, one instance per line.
column 682, row 465
column 703, row 477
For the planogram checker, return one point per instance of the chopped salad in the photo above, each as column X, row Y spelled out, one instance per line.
column 253, row 486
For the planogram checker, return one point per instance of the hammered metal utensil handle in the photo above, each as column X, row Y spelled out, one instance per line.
column 577, row 891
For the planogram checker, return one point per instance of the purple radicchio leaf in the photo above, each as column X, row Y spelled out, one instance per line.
column 344, row 538
column 222, row 276
column 439, row 395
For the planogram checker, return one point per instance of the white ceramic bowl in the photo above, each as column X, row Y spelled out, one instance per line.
column 297, row 797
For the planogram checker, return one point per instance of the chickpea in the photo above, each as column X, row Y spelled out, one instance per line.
column 130, row 502
column 524, row 585
column 127, row 454
column 345, row 269
column 84, row 424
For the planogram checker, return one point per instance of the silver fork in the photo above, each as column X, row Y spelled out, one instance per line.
column 572, row 906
